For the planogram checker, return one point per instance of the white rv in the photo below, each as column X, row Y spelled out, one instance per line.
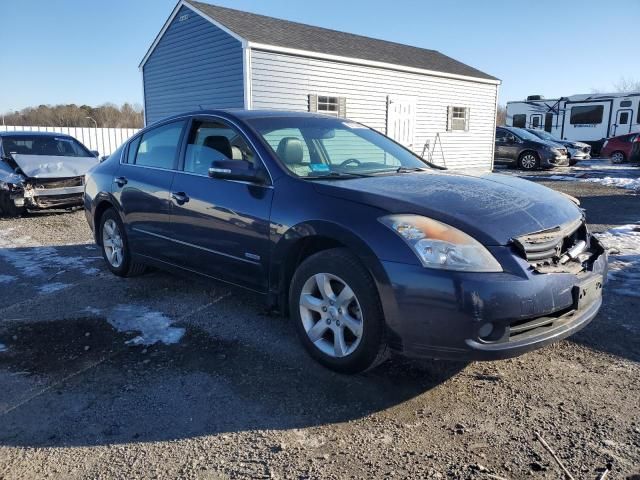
column 589, row 118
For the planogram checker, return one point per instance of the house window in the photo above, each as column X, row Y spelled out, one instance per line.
column 458, row 118
column 587, row 114
column 328, row 105
column 520, row 120
column 625, row 103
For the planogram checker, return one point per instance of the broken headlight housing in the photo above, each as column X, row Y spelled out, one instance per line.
column 441, row 246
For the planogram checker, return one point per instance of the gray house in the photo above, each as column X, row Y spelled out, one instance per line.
column 213, row 57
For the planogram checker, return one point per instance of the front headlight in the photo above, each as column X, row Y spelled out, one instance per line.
column 441, row 246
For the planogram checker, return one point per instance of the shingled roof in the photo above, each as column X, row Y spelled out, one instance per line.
column 283, row 33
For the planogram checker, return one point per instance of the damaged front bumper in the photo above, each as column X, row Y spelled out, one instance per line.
column 489, row 316
column 38, row 195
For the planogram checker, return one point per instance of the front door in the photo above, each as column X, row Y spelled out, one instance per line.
column 623, row 122
column 535, row 120
column 506, row 149
column 142, row 185
column 222, row 226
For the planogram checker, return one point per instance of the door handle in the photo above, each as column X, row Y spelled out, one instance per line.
column 121, row 181
column 180, row 197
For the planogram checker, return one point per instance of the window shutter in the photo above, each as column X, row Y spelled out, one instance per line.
column 449, row 119
column 466, row 119
column 342, row 107
column 313, row 103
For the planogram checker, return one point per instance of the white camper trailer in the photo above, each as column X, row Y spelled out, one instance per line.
column 589, row 118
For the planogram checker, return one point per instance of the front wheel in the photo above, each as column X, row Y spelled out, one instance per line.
column 529, row 161
column 335, row 306
column 115, row 247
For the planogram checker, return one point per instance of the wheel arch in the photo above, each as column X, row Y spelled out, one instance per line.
column 306, row 239
column 102, row 204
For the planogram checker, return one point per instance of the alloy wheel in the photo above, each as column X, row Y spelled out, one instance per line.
column 528, row 161
column 617, row 157
column 112, row 243
column 331, row 315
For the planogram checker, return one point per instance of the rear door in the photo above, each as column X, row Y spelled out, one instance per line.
column 623, row 122
column 142, row 187
column 220, row 227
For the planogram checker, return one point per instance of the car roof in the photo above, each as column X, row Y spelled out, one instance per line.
column 24, row 133
column 243, row 114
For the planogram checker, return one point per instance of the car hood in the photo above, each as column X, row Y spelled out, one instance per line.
column 493, row 208
column 53, row 166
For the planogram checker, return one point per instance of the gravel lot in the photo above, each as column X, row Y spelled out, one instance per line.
column 237, row 397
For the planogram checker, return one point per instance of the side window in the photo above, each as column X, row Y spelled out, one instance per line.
column 624, row 118
column 133, row 149
column 520, row 120
column 586, row 115
column 548, row 121
column 158, row 147
column 211, row 141
column 625, row 103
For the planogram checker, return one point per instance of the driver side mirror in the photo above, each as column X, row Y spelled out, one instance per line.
column 95, row 153
column 236, row 170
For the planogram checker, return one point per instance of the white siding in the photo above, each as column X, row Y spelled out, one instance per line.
column 285, row 81
column 104, row 140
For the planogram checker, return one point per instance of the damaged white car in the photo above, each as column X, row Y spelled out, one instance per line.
column 42, row 170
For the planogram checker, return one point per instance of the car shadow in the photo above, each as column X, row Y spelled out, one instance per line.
column 93, row 389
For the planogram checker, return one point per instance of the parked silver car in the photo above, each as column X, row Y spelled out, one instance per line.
column 577, row 150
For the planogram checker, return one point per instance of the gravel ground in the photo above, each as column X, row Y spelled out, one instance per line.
column 237, row 397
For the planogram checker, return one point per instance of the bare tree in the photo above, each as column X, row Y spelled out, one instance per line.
column 107, row 115
column 626, row 85
column 501, row 115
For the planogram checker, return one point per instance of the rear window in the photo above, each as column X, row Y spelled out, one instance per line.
column 587, row 114
column 44, row 145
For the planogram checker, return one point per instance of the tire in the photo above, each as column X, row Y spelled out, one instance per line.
column 529, row 161
column 112, row 229
column 618, row 157
column 8, row 208
column 322, row 326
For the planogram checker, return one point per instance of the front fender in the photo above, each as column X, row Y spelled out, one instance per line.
column 293, row 236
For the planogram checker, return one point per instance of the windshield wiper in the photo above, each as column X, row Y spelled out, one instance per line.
column 338, row 175
column 404, row 169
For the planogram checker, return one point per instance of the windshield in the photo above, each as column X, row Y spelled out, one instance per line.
column 44, row 145
column 315, row 147
column 545, row 135
column 522, row 133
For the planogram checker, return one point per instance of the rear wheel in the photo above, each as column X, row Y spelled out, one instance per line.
column 529, row 161
column 618, row 157
column 335, row 306
column 8, row 207
column 115, row 247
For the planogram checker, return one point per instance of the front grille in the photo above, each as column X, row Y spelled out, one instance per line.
column 525, row 328
column 45, row 183
column 548, row 247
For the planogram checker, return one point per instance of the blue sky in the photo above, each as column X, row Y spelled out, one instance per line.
column 87, row 52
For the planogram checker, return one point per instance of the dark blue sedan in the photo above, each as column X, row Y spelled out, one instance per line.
column 366, row 246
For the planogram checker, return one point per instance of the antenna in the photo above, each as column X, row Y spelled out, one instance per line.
column 201, row 107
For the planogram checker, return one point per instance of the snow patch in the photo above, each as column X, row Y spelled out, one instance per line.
column 52, row 287
column 153, row 326
column 626, row 183
column 32, row 259
column 7, row 278
column 624, row 258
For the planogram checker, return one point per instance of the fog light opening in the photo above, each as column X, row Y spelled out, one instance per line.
column 485, row 331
